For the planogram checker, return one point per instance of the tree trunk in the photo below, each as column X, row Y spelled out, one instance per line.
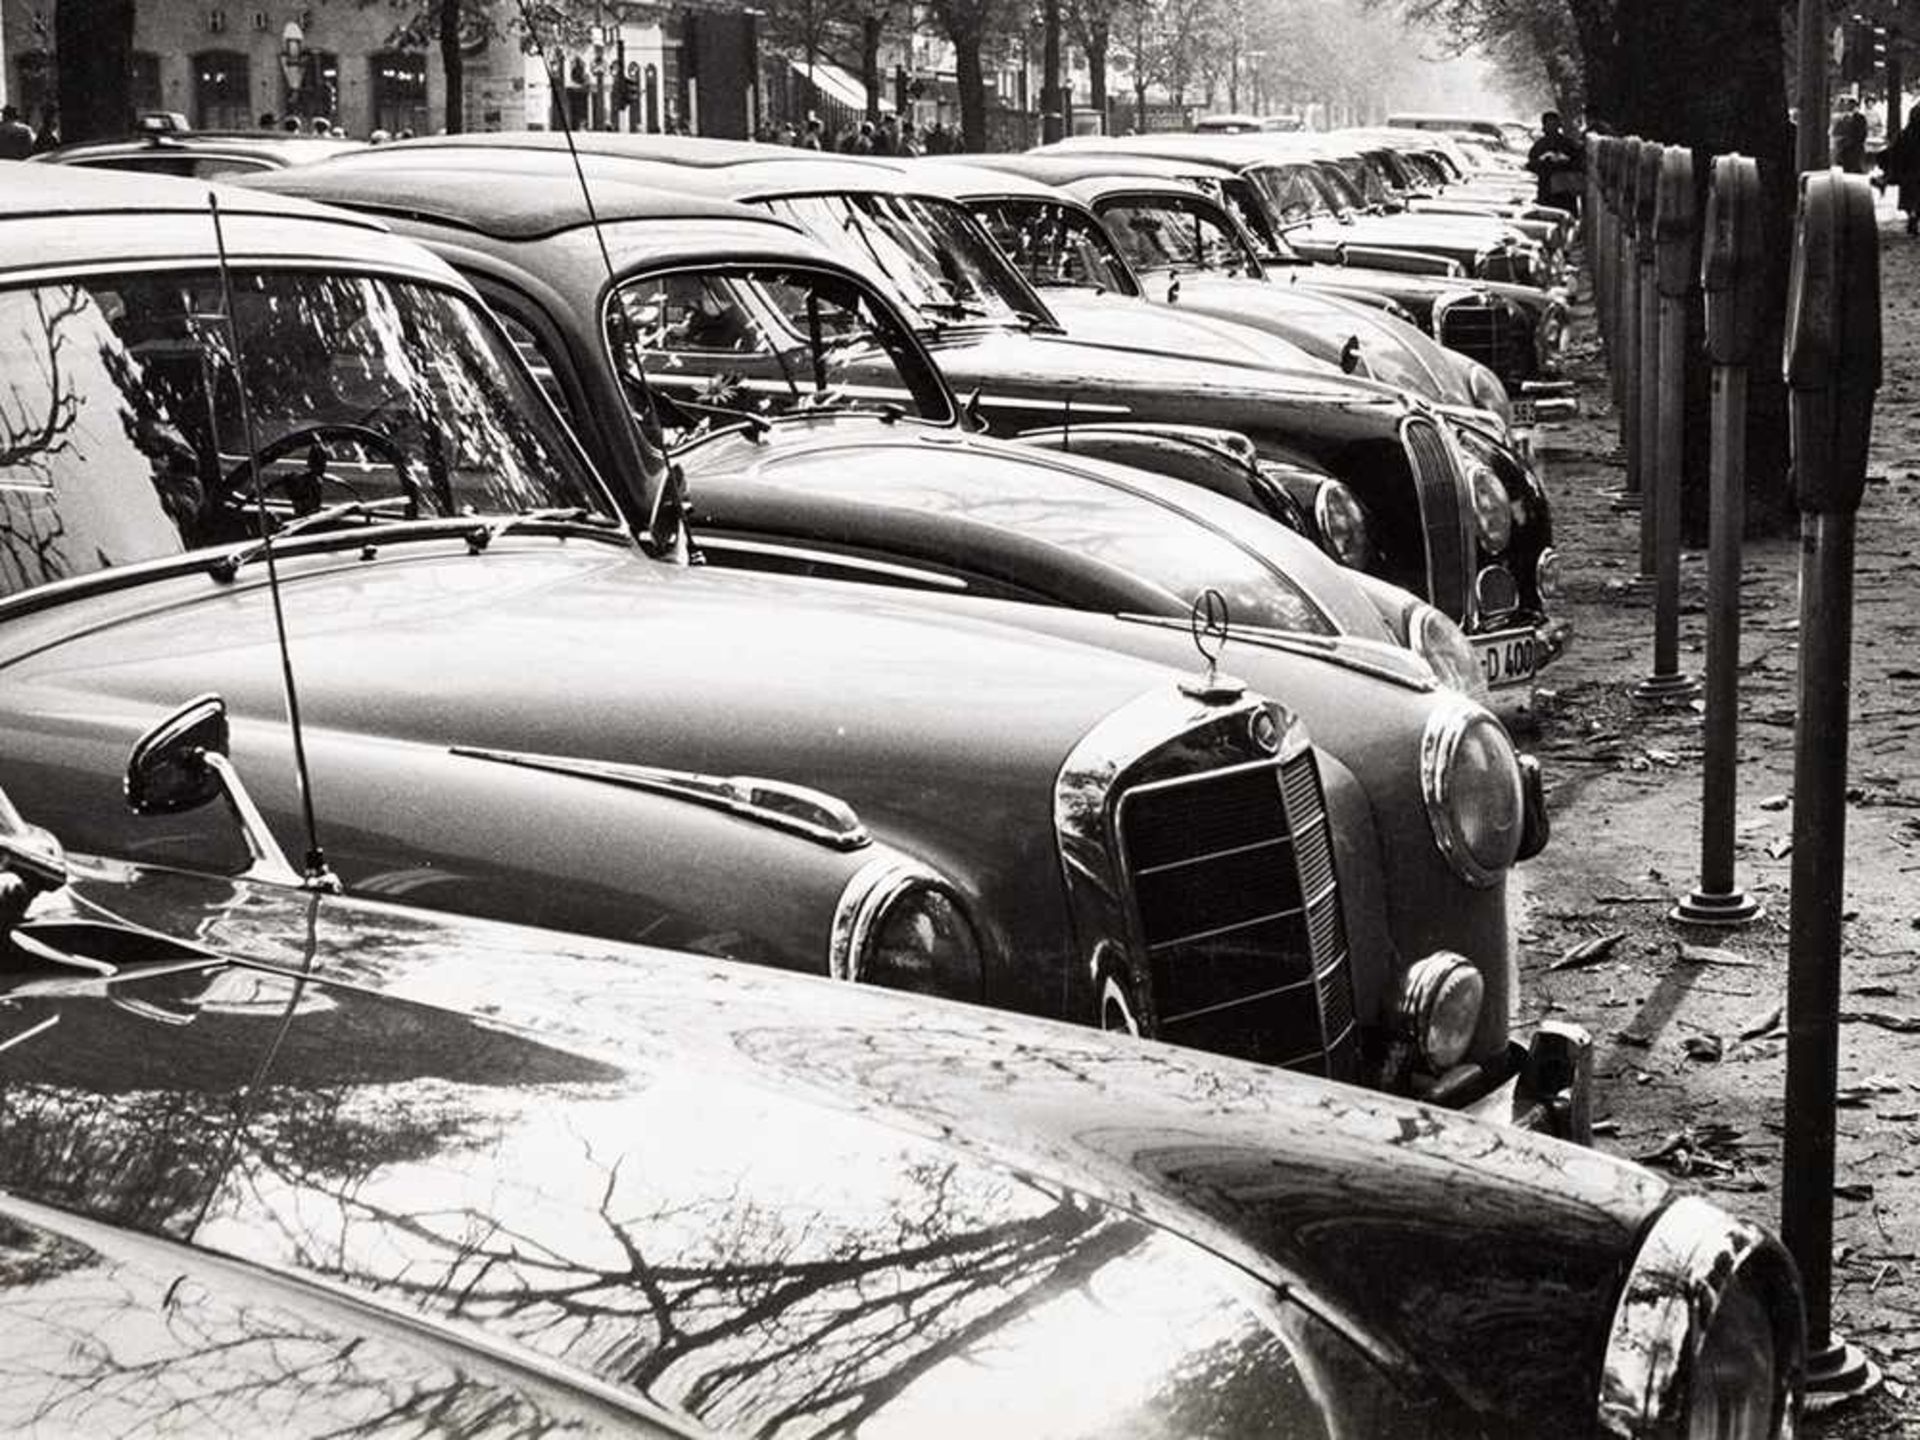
column 972, row 83
column 94, row 40
column 1139, row 103
column 452, row 64
column 1094, row 42
column 870, row 28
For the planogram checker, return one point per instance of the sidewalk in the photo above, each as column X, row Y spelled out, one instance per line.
column 1691, row 1056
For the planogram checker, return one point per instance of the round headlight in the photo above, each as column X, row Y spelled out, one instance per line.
column 1438, row 1008
column 899, row 925
column 1707, row 1339
column 1444, row 645
column 1546, row 574
column 1487, row 392
column 1343, row 525
column 1470, row 779
column 1492, row 512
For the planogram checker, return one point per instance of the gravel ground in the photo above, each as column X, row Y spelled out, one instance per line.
column 1690, row 1060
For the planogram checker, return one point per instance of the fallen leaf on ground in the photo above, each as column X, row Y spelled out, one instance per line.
column 1589, row 952
column 1713, row 955
column 1781, row 848
column 1764, row 1025
column 1627, row 1037
column 1853, row 1190
column 1702, row 1047
column 1886, row 1020
column 1775, row 802
column 1879, row 990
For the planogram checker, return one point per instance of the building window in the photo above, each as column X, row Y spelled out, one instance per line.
column 144, row 81
column 318, row 89
column 399, row 91
column 222, row 98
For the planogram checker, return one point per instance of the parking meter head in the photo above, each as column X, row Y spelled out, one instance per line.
column 1832, row 351
column 1730, row 269
column 1646, row 193
column 1676, row 220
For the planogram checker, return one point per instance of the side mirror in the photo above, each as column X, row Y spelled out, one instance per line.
column 1350, row 355
column 181, row 764
column 168, row 773
column 970, row 416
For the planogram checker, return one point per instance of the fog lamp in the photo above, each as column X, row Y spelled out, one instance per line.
column 1438, row 1008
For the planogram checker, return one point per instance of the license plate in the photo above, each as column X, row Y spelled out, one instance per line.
column 1524, row 412
column 1510, row 659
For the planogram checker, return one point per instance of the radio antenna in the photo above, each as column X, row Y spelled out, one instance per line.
column 317, row 874
column 665, row 530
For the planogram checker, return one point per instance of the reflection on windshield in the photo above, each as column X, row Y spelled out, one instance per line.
column 123, row 436
column 930, row 252
column 1055, row 246
column 727, row 346
column 1168, row 234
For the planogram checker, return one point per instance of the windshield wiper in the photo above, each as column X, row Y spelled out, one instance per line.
column 226, row 566
column 574, row 517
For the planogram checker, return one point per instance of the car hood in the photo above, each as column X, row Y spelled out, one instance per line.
column 1037, row 374
column 548, row 649
column 617, row 1149
column 1115, row 538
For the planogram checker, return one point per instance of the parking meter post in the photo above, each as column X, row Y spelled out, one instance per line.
column 1673, row 234
column 1646, row 254
column 1832, row 363
column 1730, row 274
column 1627, row 363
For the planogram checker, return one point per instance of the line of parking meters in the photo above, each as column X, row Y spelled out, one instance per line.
column 1731, row 274
column 1671, row 238
column 1832, row 364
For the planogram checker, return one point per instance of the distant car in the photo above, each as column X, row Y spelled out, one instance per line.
column 1242, row 124
column 1489, row 131
column 300, row 1164
column 202, row 154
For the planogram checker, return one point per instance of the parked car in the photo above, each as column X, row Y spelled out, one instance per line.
column 858, row 468
column 325, row 1166
column 991, row 333
column 200, row 154
column 508, row 710
column 1320, row 219
column 1496, row 325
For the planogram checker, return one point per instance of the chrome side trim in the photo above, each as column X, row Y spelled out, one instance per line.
column 811, row 814
column 1689, row 1263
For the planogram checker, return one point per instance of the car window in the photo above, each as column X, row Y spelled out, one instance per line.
column 1056, row 246
column 1242, row 200
column 534, row 355
column 723, row 346
column 125, row 413
column 1292, row 192
column 1165, row 233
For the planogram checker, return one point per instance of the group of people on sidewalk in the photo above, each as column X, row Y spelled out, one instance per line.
column 892, row 135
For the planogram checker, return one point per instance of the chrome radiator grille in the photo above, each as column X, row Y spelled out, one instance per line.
column 1449, row 573
column 1484, row 330
column 1233, row 882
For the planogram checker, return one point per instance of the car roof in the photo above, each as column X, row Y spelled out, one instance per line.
column 284, row 149
column 523, row 205
column 57, row 216
column 963, row 180
column 1066, row 167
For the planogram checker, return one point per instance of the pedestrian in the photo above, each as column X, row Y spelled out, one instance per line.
column 1901, row 162
column 813, row 140
column 909, row 139
column 887, row 140
column 1848, row 135
column 936, row 138
column 267, row 121
column 1559, row 164
column 788, row 135
column 291, row 125
column 16, row 136
column 47, row 137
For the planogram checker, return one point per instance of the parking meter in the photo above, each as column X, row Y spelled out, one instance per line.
column 1673, row 229
column 1832, row 364
column 1832, row 353
column 1730, row 272
column 1732, row 243
column 1646, row 200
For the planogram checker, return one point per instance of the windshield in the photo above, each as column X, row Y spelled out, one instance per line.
column 1056, row 246
column 723, row 346
column 1160, row 232
column 931, row 253
column 1367, row 188
column 1296, row 193
column 122, row 436
column 1241, row 198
